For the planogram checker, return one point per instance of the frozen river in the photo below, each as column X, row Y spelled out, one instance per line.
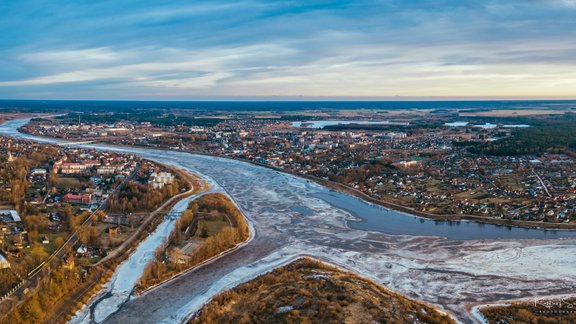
column 453, row 265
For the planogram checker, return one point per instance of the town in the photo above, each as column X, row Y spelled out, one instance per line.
column 429, row 167
column 70, row 209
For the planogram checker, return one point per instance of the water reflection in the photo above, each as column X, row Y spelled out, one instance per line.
column 376, row 218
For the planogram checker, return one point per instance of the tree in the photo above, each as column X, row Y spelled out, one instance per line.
column 32, row 312
column 203, row 230
column 99, row 215
column 38, row 254
column 59, row 241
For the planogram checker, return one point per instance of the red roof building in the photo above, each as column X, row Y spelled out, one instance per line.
column 77, row 199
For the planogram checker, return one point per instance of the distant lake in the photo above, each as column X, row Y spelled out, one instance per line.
column 457, row 124
column 317, row 124
column 492, row 126
column 485, row 126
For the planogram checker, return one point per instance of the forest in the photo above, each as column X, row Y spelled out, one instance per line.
column 551, row 134
column 157, row 118
column 138, row 197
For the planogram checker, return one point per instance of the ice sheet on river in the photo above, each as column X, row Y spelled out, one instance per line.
column 494, row 264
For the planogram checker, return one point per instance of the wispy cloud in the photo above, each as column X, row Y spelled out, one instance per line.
column 255, row 48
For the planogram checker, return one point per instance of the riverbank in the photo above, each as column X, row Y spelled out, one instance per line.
column 210, row 226
column 103, row 270
column 444, row 218
column 195, row 184
column 388, row 204
column 537, row 309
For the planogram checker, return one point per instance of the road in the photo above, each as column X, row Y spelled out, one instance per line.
column 542, row 183
column 149, row 217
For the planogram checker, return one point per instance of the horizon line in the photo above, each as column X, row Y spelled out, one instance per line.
column 310, row 99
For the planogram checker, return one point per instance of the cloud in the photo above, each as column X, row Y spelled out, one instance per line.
column 260, row 48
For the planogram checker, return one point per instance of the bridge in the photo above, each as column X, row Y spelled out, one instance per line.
column 77, row 143
column 167, row 215
column 171, row 215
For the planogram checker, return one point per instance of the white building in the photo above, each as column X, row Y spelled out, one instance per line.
column 38, row 171
column 107, row 169
column 159, row 180
column 395, row 135
column 10, row 216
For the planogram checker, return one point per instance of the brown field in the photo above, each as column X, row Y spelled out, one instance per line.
column 557, row 311
column 9, row 116
column 386, row 113
column 512, row 113
column 308, row 291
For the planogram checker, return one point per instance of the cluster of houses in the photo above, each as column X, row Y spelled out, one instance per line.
column 496, row 186
column 428, row 170
column 82, row 178
column 122, row 132
column 13, row 235
column 97, row 172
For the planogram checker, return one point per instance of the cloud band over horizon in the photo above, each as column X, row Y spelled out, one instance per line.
column 263, row 49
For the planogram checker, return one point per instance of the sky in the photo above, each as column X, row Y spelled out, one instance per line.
column 211, row 50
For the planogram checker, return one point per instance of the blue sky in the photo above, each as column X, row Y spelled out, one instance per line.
column 287, row 49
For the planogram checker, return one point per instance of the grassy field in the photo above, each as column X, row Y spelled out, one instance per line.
column 55, row 243
column 308, row 291
column 512, row 113
column 212, row 223
column 66, row 182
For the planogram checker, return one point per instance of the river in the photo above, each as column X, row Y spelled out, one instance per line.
column 370, row 217
column 450, row 264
